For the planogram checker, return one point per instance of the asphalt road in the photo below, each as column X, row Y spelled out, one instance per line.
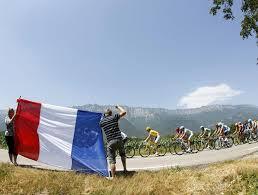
column 186, row 160
column 156, row 163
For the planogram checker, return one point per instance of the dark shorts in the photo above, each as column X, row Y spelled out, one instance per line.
column 10, row 143
column 226, row 133
column 112, row 147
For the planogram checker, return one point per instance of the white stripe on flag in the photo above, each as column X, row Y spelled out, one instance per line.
column 56, row 132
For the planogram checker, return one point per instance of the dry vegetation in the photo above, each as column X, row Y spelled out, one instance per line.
column 232, row 177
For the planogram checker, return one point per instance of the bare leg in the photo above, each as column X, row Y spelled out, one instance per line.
column 113, row 170
column 189, row 144
column 123, row 159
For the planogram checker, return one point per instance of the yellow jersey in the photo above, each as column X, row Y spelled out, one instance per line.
column 153, row 133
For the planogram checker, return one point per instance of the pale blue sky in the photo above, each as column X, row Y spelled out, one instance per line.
column 139, row 53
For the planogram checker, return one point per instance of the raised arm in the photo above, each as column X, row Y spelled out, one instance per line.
column 147, row 139
column 122, row 112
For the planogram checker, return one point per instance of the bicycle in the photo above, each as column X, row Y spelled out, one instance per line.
column 171, row 146
column 203, row 143
column 146, row 149
column 222, row 143
column 129, row 151
column 180, row 147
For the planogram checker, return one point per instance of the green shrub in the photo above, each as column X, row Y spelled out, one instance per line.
column 2, row 141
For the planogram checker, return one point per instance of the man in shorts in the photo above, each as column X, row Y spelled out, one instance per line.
column 109, row 124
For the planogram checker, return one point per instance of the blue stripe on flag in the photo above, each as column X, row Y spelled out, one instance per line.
column 88, row 153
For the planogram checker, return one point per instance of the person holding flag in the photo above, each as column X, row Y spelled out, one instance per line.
column 110, row 126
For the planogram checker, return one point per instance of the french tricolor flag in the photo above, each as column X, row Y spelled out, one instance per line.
column 59, row 136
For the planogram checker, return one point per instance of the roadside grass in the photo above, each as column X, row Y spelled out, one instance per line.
column 232, row 177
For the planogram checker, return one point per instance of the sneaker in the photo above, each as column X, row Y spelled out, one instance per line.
column 188, row 150
column 156, row 154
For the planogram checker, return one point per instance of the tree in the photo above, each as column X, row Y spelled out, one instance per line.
column 249, row 9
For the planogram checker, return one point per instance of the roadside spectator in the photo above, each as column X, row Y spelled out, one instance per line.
column 9, row 135
column 110, row 126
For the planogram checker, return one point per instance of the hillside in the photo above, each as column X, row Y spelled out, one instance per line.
column 165, row 120
column 2, row 116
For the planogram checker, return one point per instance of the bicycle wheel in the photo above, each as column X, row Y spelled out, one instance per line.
column 144, row 150
column 162, row 150
column 129, row 151
column 172, row 148
column 200, row 145
column 194, row 147
column 250, row 138
column 218, row 144
column 212, row 144
column 230, row 142
column 236, row 140
column 179, row 148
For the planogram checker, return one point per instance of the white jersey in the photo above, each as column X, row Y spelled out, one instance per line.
column 225, row 128
column 252, row 125
column 188, row 132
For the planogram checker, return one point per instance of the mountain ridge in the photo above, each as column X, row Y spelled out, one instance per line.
column 166, row 120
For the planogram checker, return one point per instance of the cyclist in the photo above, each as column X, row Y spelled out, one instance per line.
column 252, row 125
column 206, row 133
column 223, row 131
column 186, row 135
column 178, row 133
column 153, row 137
column 216, row 132
column 247, row 130
column 239, row 130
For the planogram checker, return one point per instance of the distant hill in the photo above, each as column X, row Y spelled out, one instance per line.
column 2, row 117
column 165, row 120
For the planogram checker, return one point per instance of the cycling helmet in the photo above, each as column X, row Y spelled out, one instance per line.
column 220, row 124
column 239, row 123
column 201, row 127
column 182, row 128
column 236, row 124
column 249, row 120
column 148, row 128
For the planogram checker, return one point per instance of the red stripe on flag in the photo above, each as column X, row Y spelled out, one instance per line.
column 26, row 126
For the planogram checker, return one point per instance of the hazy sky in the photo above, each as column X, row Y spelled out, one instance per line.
column 140, row 53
